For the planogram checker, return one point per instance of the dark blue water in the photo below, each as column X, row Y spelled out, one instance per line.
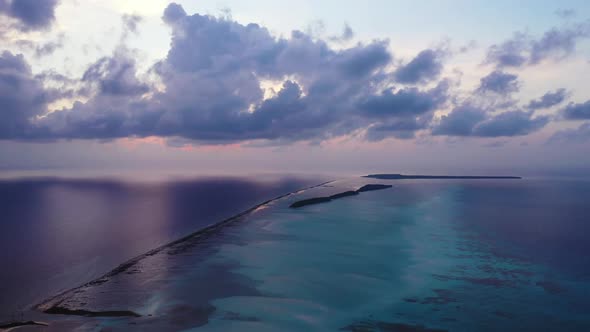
column 57, row 233
column 547, row 221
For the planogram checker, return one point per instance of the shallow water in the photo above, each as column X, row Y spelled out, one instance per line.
column 58, row 233
column 483, row 255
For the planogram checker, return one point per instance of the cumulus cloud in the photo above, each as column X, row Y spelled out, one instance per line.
column 467, row 120
column 29, row 14
column 511, row 123
column 460, row 122
column 549, row 99
column 577, row 111
column 522, row 49
column 211, row 89
column 500, row 83
column 425, row 67
column 409, row 101
column 173, row 13
column 21, row 96
column 115, row 76
column 222, row 81
column 511, row 53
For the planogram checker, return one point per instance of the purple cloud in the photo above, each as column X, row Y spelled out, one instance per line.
column 30, row 14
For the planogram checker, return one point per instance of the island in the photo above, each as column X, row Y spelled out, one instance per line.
column 371, row 187
column 412, row 177
column 57, row 310
column 325, row 199
column 15, row 324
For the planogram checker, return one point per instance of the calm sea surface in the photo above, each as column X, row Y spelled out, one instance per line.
column 56, row 233
column 425, row 255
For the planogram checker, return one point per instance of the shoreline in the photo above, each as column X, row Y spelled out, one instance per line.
column 51, row 304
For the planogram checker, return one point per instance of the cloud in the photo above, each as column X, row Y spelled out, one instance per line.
column 210, row 89
column 404, row 128
column 425, row 67
column 21, row 96
column 522, row 49
column 130, row 22
column 467, row 120
column 511, row 123
column 115, row 76
column 460, row 122
column 225, row 82
column 575, row 111
column 42, row 49
column 347, row 35
column 549, row 99
column 30, row 14
column 130, row 26
column 511, row 53
column 500, row 83
column 173, row 13
column 578, row 135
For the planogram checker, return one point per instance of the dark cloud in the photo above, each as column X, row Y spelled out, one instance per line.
column 425, row 67
column 21, row 96
column 173, row 13
column 549, row 99
column 211, row 89
column 522, row 49
column 500, row 83
column 468, row 120
column 30, row 14
column 511, row 53
column 362, row 61
column 557, row 44
column 511, row 123
column 575, row 111
column 115, row 76
column 460, row 122
column 409, row 101
column 404, row 128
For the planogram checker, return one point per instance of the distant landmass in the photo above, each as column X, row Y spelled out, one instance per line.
column 409, row 177
column 318, row 200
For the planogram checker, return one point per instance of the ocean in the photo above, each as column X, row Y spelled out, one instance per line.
column 424, row 255
column 57, row 232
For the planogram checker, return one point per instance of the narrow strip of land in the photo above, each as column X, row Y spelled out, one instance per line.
column 325, row 199
column 458, row 177
column 15, row 324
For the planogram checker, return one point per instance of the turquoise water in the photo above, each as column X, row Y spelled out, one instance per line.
column 421, row 256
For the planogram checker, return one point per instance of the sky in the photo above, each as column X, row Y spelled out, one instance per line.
column 449, row 87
